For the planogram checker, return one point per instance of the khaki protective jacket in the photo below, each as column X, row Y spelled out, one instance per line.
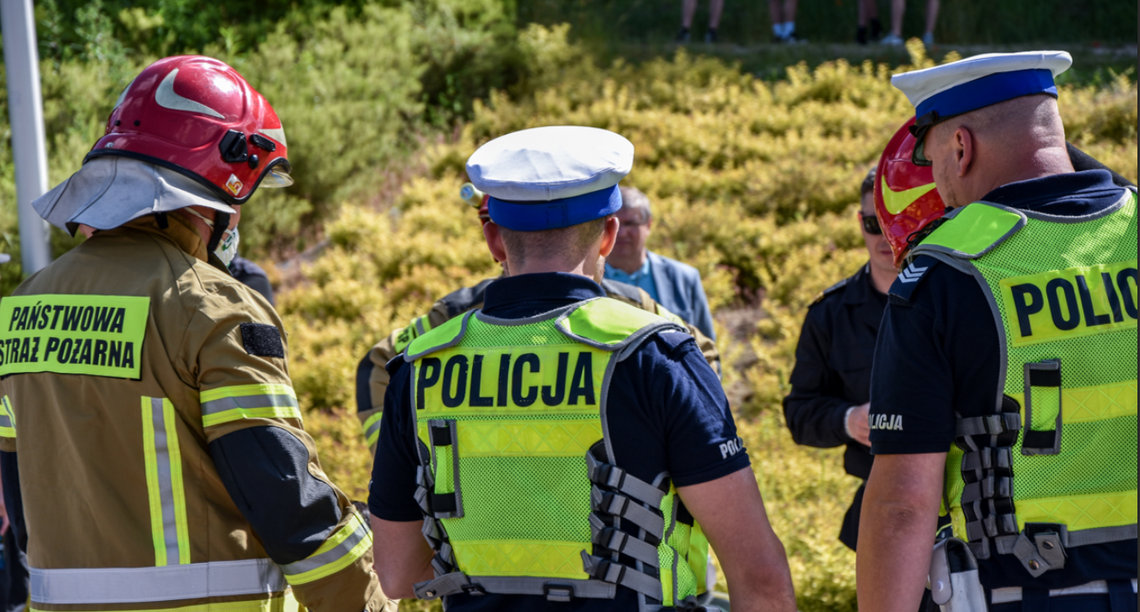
column 123, row 360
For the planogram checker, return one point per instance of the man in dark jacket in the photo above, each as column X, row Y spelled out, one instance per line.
column 831, row 382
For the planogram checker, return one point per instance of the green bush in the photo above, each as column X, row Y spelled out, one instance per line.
column 754, row 183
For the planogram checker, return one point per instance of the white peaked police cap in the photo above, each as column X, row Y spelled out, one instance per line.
column 108, row 192
column 551, row 177
column 980, row 81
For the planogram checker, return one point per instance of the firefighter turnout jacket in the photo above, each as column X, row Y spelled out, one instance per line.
column 127, row 366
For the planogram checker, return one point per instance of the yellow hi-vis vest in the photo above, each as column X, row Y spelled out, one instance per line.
column 1063, row 293
column 517, row 483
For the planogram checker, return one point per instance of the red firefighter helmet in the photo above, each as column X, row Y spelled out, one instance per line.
column 198, row 116
column 906, row 199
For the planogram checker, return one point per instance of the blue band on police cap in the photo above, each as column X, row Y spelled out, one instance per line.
column 564, row 212
column 988, row 90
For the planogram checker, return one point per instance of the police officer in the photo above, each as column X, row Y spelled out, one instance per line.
column 1006, row 363
column 558, row 449
column 372, row 378
column 161, row 453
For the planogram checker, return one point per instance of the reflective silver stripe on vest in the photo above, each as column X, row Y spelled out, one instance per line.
column 247, row 402
column 165, row 487
column 454, row 583
column 147, row 584
column 1010, row 594
column 372, row 429
column 331, row 555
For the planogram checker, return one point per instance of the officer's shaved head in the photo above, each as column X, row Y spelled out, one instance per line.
column 568, row 244
column 979, row 151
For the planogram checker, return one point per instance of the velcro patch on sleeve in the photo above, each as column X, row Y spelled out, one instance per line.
column 261, row 340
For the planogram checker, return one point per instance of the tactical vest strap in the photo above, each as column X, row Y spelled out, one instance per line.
column 622, row 575
column 625, row 508
column 990, row 424
column 611, row 476
column 445, row 456
column 622, row 542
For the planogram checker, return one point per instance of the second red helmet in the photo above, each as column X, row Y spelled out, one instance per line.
column 906, row 199
column 198, row 116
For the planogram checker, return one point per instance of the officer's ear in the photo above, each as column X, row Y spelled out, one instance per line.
column 609, row 235
column 964, row 147
column 494, row 237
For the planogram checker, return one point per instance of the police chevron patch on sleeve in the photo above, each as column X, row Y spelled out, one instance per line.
column 909, row 278
column 912, row 274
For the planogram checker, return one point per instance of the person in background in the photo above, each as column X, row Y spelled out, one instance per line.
column 251, row 275
column 831, row 381
column 14, row 573
column 869, row 26
column 675, row 285
column 783, row 14
column 689, row 9
column 894, row 38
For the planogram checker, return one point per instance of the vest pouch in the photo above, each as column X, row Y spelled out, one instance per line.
column 954, row 583
column 1042, row 433
column 446, row 496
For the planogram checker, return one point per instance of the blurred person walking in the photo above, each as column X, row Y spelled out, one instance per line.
column 146, row 393
column 868, row 25
column 675, row 285
column 894, row 38
column 1012, row 327
column 783, row 14
column 590, row 501
column 689, row 10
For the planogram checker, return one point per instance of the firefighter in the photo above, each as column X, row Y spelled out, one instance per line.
column 146, row 392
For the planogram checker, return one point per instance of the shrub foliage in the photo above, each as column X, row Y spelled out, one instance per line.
column 754, row 183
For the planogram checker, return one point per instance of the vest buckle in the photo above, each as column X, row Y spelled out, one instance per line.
column 558, row 592
column 473, row 589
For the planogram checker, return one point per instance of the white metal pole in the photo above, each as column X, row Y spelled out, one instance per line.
column 26, row 118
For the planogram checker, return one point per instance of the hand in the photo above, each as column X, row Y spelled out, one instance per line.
column 3, row 517
column 857, row 424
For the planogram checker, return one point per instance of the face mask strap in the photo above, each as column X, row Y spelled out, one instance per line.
column 221, row 226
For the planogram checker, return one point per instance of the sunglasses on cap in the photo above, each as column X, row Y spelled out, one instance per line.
column 870, row 224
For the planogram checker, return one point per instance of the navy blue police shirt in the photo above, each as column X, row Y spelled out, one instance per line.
column 938, row 353
column 667, row 413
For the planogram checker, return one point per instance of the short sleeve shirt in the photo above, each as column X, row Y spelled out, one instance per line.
column 673, row 418
column 938, row 353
